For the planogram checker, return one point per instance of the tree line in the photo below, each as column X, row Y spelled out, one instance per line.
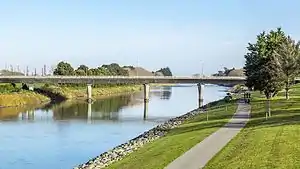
column 66, row 69
column 272, row 63
column 113, row 69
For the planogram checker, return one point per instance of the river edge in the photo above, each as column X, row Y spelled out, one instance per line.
column 119, row 152
column 25, row 98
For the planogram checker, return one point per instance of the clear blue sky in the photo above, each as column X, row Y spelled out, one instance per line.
column 154, row 33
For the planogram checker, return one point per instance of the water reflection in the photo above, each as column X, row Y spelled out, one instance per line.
column 103, row 109
column 163, row 93
column 64, row 137
column 12, row 113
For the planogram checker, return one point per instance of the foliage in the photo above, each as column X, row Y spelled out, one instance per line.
column 288, row 55
column 230, row 72
column 8, row 88
column 115, row 70
column 82, row 70
column 63, row 69
column 262, row 67
column 165, row 71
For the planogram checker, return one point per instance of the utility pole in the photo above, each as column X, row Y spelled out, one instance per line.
column 45, row 72
column 137, row 73
column 27, row 71
column 202, row 69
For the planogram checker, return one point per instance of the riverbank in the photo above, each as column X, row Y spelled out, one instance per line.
column 178, row 134
column 97, row 92
column 21, row 98
column 271, row 142
column 47, row 93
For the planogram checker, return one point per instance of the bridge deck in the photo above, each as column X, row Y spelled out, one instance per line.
column 121, row 79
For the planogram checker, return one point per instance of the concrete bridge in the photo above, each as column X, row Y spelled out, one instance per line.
column 145, row 80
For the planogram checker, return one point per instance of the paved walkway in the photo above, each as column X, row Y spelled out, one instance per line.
column 198, row 156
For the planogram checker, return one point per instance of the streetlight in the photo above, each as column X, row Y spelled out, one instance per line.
column 202, row 67
column 137, row 60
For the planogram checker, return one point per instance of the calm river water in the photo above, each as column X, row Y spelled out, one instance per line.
column 64, row 135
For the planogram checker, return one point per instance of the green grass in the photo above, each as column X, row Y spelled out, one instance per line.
column 271, row 142
column 21, row 98
column 161, row 152
column 80, row 92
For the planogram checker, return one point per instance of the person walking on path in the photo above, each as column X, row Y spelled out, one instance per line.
column 199, row 155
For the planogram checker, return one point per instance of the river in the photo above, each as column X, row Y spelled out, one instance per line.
column 64, row 135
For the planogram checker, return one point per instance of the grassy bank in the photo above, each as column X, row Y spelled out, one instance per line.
column 21, row 98
column 266, row 143
column 14, row 96
column 161, row 152
column 80, row 92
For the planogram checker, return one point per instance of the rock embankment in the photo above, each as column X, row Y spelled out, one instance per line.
column 122, row 150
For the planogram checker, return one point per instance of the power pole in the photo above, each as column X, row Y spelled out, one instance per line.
column 45, row 72
column 27, row 71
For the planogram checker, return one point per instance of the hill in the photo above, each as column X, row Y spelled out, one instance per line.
column 139, row 71
column 10, row 73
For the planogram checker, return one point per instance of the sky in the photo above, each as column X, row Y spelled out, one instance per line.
column 183, row 35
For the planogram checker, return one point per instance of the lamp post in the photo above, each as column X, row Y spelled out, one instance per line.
column 137, row 60
column 202, row 68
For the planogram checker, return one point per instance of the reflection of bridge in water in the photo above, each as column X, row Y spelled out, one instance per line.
column 104, row 109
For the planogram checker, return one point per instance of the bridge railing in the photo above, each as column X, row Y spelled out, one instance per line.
column 123, row 77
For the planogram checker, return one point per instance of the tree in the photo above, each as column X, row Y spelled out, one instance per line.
column 165, row 71
column 262, row 67
column 82, row 70
column 115, row 70
column 63, row 69
column 288, row 56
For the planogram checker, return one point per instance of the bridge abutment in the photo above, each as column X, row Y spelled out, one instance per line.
column 200, row 94
column 146, row 92
column 89, row 93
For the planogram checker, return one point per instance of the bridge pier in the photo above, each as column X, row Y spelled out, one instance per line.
column 89, row 93
column 89, row 113
column 200, row 94
column 146, row 92
column 146, row 105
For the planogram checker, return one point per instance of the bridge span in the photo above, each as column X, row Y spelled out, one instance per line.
column 145, row 80
column 122, row 79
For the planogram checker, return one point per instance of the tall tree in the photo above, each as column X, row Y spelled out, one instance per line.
column 82, row 70
column 289, row 56
column 63, row 69
column 262, row 67
column 165, row 71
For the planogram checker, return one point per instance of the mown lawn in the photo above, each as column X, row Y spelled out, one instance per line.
column 161, row 152
column 271, row 142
